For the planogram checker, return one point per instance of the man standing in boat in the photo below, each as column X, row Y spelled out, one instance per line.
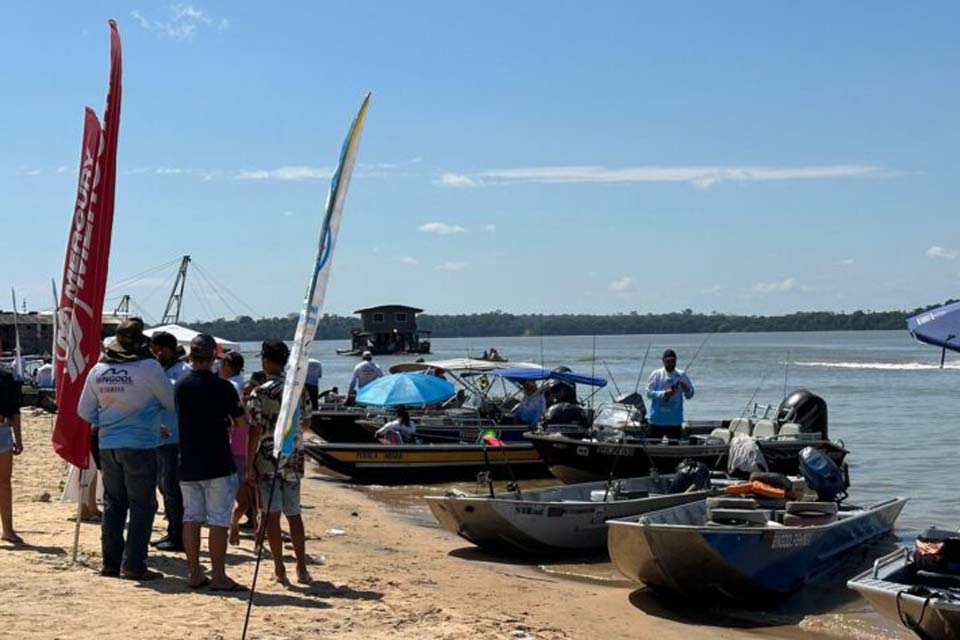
column 666, row 389
column 364, row 373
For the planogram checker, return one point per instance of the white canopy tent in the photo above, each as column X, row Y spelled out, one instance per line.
column 184, row 335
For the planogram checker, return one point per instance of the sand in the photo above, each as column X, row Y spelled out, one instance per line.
column 384, row 577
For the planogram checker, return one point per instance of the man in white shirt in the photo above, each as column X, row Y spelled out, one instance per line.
column 364, row 373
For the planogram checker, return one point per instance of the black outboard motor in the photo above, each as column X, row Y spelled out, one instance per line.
column 806, row 409
column 559, row 391
column 565, row 413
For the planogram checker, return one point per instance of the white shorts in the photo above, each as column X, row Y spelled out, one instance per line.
column 210, row 501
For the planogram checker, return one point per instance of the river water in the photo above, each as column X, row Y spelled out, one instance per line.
column 889, row 402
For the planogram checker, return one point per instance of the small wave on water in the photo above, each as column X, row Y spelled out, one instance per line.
column 882, row 366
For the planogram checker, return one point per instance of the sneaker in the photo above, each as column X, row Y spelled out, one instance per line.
column 169, row 545
column 157, row 543
column 143, row 576
column 109, row 572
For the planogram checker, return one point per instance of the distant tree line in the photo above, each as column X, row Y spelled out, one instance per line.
column 498, row 323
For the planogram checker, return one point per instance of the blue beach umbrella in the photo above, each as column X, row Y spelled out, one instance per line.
column 939, row 327
column 405, row 389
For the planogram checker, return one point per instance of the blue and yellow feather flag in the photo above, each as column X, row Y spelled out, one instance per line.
column 296, row 371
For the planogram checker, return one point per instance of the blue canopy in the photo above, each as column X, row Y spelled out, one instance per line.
column 405, row 389
column 939, row 327
column 523, row 374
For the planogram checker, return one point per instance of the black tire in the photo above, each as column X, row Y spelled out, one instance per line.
column 793, row 520
column 812, row 508
column 732, row 503
column 777, row 480
column 755, row 517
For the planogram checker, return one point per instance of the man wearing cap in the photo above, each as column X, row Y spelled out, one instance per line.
column 123, row 398
column 279, row 487
column 164, row 347
column 666, row 388
column 208, row 407
column 364, row 373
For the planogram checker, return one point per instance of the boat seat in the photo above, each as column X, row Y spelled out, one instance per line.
column 720, row 434
column 765, row 429
column 790, row 430
column 740, row 426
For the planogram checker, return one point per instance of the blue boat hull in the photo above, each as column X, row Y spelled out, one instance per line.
column 740, row 562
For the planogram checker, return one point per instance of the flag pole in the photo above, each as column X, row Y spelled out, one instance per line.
column 76, row 528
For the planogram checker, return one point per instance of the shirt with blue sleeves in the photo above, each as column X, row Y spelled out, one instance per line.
column 124, row 400
column 169, row 418
column 663, row 410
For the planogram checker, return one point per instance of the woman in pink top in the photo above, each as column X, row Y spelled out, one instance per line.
column 231, row 369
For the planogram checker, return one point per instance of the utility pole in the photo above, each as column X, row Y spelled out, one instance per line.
column 171, row 315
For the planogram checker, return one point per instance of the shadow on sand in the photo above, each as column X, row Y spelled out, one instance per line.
column 826, row 594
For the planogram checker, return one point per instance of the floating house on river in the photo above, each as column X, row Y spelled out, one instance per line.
column 388, row 330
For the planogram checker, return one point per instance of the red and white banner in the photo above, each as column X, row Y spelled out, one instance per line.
column 85, row 268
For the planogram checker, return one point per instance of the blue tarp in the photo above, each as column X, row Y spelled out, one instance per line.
column 522, row 374
column 939, row 327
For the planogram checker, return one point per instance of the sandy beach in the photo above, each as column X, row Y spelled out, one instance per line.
column 384, row 577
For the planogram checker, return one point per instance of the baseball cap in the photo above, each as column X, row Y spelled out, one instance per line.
column 275, row 350
column 203, row 347
column 367, row 355
column 164, row 339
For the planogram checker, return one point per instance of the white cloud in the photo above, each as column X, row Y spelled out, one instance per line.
column 441, row 228
column 622, row 284
column 940, row 252
column 145, row 283
column 287, row 214
column 787, row 284
column 715, row 290
column 457, row 180
column 408, row 260
column 285, row 173
column 180, row 22
column 846, row 262
column 490, row 228
column 168, row 171
column 698, row 176
column 451, row 266
column 61, row 169
column 24, row 171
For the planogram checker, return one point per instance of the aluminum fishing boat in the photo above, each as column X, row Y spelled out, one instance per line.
column 680, row 551
column 554, row 520
column 926, row 604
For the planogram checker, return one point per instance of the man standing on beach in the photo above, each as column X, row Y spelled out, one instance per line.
column 208, row 407
column 364, row 373
column 164, row 347
column 666, row 388
column 122, row 398
column 279, row 487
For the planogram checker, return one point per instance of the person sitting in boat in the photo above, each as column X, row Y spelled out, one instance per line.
column 364, row 373
column 397, row 431
column 666, row 388
column 331, row 395
column 531, row 406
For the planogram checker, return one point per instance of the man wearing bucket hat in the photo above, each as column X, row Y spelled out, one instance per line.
column 666, row 388
column 123, row 398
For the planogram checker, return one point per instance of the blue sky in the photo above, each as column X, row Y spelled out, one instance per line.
column 749, row 157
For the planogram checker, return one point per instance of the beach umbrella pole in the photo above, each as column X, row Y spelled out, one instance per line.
column 261, row 537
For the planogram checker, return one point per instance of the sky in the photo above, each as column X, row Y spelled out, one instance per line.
column 537, row 157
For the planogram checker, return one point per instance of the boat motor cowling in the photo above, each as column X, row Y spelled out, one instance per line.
column 565, row 413
column 806, row 409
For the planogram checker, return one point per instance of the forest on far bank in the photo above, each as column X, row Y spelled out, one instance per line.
column 501, row 324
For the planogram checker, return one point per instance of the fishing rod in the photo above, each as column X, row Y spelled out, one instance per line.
column 643, row 365
column 612, row 379
column 696, row 353
column 786, row 373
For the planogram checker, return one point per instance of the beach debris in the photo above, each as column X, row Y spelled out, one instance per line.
column 354, row 514
column 42, row 497
column 334, row 533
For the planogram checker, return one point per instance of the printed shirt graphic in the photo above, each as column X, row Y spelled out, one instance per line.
column 263, row 409
column 664, row 411
column 124, row 400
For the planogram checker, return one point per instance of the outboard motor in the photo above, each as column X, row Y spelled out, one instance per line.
column 559, row 391
column 806, row 409
column 635, row 399
column 565, row 413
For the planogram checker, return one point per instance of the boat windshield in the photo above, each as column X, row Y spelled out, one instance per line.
column 617, row 416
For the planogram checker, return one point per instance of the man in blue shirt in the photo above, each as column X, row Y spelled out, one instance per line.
column 122, row 398
column 164, row 347
column 666, row 388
